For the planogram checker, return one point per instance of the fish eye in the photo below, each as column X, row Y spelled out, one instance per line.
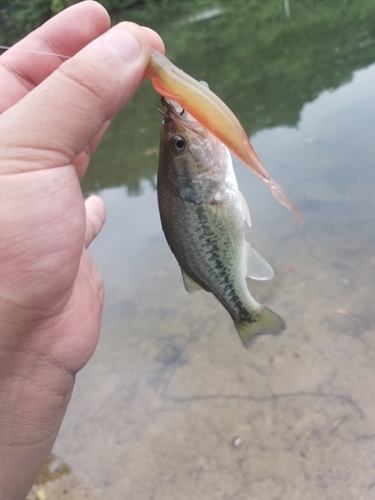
column 179, row 143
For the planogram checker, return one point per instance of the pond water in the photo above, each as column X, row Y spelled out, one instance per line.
column 172, row 406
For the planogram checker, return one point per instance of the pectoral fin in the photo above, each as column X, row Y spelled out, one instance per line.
column 245, row 209
column 190, row 285
column 257, row 268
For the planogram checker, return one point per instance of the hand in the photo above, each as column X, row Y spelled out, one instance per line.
column 54, row 113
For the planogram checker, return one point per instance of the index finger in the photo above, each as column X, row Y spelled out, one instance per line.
column 57, row 120
column 65, row 34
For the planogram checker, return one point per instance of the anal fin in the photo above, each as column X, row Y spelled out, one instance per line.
column 257, row 268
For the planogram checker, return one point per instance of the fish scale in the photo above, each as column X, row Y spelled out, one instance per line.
column 203, row 219
column 224, row 277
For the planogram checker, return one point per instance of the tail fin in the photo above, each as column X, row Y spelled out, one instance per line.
column 263, row 322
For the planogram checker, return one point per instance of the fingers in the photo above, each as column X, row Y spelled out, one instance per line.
column 54, row 123
column 66, row 34
column 82, row 161
column 95, row 218
column 155, row 39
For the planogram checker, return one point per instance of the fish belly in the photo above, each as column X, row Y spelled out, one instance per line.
column 208, row 243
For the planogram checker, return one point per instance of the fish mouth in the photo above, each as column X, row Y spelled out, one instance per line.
column 175, row 117
column 171, row 109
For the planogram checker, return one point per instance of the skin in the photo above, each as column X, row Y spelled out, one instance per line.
column 203, row 219
column 53, row 116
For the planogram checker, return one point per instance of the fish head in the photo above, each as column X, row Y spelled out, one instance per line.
column 190, row 151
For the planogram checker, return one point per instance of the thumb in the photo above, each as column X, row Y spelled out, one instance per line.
column 55, row 122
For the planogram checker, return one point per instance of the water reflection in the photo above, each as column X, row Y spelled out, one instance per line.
column 156, row 412
column 262, row 64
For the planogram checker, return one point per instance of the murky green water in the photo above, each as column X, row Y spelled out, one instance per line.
column 155, row 413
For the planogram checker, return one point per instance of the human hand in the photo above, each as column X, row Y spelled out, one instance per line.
column 54, row 113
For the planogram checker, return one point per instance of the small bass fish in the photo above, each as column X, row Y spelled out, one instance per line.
column 206, row 107
column 203, row 216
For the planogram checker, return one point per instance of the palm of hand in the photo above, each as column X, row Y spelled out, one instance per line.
column 51, row 297
column 51, row 293
column 45, row 269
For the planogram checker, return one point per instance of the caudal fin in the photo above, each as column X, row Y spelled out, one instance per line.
column 263, row 322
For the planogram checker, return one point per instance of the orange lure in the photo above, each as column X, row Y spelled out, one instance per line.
column 206, row 107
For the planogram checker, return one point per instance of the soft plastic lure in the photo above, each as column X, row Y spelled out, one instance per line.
column 206, row 107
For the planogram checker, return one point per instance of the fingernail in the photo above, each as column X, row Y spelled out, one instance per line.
column 123, row 43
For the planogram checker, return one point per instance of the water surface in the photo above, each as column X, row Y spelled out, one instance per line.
column 156, row 412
